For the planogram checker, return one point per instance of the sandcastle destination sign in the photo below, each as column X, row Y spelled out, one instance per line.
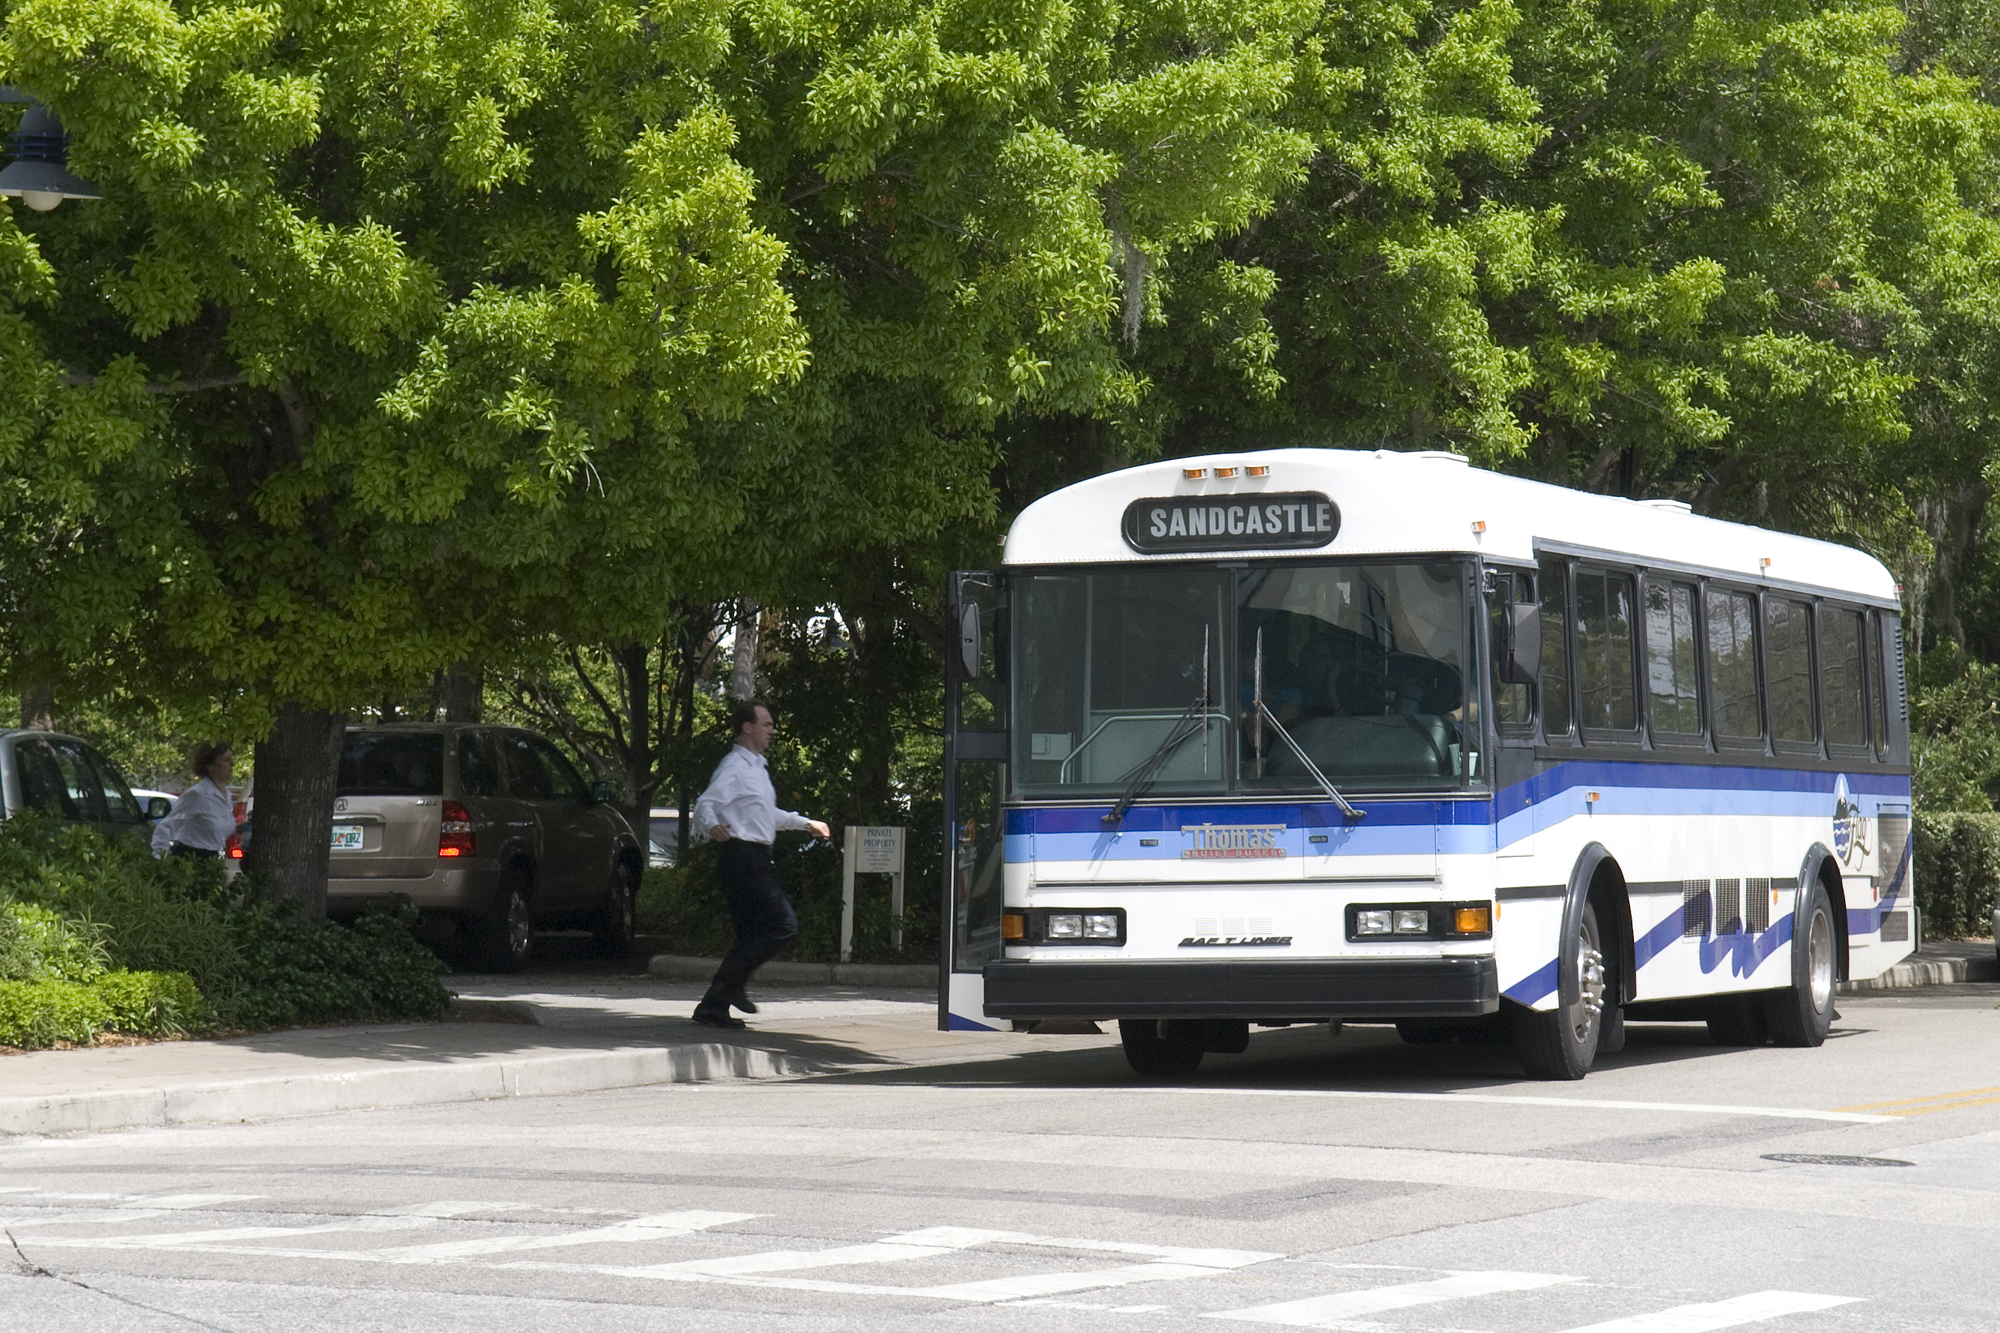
column 1286, row 520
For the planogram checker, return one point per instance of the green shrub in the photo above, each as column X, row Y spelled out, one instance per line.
column 164, row 946
column 36, row 942
column 41, row 1013
column 151, row 1004
column 1957, row 868
column 293, row 971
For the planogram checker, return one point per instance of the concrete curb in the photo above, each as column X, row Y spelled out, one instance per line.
column 1930, row 972
column 492, row 1011
column 402, row 1086
column 681, row 968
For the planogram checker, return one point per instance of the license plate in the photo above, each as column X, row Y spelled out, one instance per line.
column 347, row 837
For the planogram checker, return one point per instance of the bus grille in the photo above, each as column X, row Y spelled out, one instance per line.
column 1894, row 830
column 1729, row 907
column 1895, row 927
column 1697, row 908
column 1756, row 905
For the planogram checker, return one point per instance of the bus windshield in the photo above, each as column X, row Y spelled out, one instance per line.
column 1130, row 673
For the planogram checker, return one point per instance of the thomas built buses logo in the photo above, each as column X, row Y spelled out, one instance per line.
column 1233, row 842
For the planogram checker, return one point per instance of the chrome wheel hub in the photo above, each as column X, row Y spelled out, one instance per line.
column 1819, row 959
column 519, row 925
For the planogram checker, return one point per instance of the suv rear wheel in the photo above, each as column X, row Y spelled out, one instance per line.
column 611, row 934
column 507, row 934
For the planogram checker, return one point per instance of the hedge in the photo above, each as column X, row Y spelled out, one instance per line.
column 1958, row 873
column 146, row 1004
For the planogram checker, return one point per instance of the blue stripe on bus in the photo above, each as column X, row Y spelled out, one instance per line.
column 1459, row 826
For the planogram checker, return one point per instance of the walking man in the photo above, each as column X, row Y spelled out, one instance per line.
column 740, row 811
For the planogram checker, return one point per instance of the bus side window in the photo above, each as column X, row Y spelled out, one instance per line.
column 1732, row 663
column 1513, row 701
column 1878, row 708
column 1605, row 650
column 1840, row 677
column 1675, row 702
column 1555, row 649
column 1788, row 670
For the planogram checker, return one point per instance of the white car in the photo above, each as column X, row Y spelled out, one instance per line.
column 145, row 796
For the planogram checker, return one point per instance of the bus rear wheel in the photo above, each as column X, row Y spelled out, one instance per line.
column 1801, row 1014
column 1562, row 1043
column 1161, row 1048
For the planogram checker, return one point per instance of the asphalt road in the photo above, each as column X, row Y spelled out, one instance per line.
column 1313, row 1182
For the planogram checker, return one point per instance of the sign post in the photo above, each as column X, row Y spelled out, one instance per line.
column 871, row 850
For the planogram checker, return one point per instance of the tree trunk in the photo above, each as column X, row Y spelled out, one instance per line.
column 639, row 755
column 743, row 671
column 38, row 708
column 296, row 769
column 464, row 692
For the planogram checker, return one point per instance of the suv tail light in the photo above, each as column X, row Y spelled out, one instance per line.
column 455, row 837
column 233, row 849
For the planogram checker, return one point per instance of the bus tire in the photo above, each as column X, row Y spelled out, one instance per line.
column 1562, row 1043
column 1802, row 1013
column 1161, row 1048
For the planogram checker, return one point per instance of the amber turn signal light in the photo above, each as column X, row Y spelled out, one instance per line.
column 1472, row 921
column 1013, row 926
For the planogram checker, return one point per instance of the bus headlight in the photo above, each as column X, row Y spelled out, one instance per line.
column 1103, row 926
column 1420, row 921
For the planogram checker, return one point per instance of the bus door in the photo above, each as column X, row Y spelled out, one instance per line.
column 975, row 782
column 1513, row 655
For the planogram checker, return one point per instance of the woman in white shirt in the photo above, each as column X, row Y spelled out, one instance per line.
column 204, row 817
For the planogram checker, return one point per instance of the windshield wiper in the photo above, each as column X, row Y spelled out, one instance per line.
column 1169, row 743
column 1263, row 714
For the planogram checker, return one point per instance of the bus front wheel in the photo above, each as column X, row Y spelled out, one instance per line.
column 1801, row 1014
column 1158, row 1048
column 1562, row 1043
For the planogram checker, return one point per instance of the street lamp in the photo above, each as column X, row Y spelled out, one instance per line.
column 39, row 175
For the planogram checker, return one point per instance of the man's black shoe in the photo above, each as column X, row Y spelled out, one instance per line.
column 717, row 1018
column 744, row 1002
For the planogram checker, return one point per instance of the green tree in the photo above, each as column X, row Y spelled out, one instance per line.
column 404, row 334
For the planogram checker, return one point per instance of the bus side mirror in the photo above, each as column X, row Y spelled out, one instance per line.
column 968, row 639
column 1521, row 655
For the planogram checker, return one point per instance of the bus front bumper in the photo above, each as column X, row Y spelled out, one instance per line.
column 1344, row 988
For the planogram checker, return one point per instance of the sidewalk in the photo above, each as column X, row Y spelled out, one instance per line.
column 513, row 1037
column 557, row 1033
column 1945, row 963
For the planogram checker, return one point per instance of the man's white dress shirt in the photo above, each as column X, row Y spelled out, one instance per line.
column 203, row 817
column 740, row 795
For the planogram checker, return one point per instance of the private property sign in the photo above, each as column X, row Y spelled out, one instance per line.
column 871, row 850
column 879, row 851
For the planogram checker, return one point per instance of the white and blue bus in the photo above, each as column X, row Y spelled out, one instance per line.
column 1301, row 735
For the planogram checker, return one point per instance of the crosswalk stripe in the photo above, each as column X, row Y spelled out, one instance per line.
column 910, row 1245
column 659, row 1226
column 1325, row 1311
column 1703, row 1317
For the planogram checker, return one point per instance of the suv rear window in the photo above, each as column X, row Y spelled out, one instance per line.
column 392, row 763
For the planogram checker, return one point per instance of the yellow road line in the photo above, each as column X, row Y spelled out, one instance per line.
column 1920, row 1101
column 1946, row 1106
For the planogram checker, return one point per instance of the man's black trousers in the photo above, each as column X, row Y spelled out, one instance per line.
column 763, row 916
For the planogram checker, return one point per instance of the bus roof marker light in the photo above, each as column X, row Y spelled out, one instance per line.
column 1763, row 562
column 1257, row 470
column 1194, row 473
column 1225, row 474
column 1479, row 527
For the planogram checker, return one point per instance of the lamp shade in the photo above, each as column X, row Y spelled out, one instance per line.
column 39, row 175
